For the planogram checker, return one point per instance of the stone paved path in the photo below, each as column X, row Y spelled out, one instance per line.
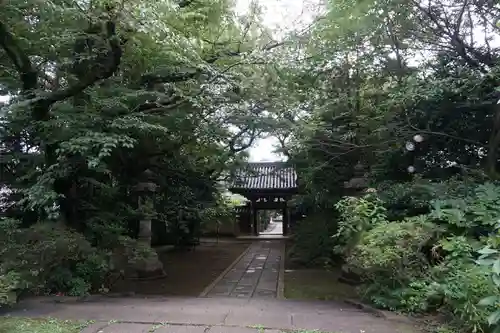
column 256, row 274
column 242, row 301
column 274, row 228
column 211, row 315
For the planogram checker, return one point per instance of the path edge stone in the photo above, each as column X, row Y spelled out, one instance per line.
column 366, row 308
column 384, row 314
column 281, row 275
column 205, row 291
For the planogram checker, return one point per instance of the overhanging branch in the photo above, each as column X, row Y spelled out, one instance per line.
column 27, row 73
column 107, row 66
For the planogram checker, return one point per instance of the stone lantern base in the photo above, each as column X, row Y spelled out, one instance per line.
column 146, row 268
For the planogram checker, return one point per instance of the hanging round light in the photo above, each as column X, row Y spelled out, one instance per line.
column 411, row 169
column 410, row 146
column 418, row 138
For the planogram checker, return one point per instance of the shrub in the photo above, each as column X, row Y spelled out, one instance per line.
column 312, row 241
column 490, row 259
column 425, row 263
column 461, row 285
column 48, row 257
column 356, row 215
column 219, row 219
column 393, row 251
column 9, row 283
column 414, row 198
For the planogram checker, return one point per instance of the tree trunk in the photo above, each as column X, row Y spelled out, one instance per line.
column 493, row 146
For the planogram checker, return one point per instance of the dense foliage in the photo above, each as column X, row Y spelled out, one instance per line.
column 399, row 98
column 427, row 262
column 119, row 117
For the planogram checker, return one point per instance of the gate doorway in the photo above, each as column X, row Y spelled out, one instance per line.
column 273, row 225
column 268, row 186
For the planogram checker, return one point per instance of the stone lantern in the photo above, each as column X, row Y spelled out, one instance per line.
column 145, row 190
column 359, row 182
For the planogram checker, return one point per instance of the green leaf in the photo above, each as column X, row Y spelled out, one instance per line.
column 485, row 262
column 487, row 250
column 496, row 267
column 494, row 318
column 487, row 301
column 496, row 279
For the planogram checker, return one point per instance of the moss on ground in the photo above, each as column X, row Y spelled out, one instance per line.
column 316, row 284
column 39, row 325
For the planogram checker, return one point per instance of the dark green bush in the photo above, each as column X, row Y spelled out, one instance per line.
column 415, row 198
column 422, row 258
column 392, row 253
column 48, row 257
column 313, row 242
column 9, row 283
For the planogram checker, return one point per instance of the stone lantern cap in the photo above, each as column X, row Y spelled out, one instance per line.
column 145, row 187
column 148, row 175
column 357, row 183
column 147, row 184
column 360, row 179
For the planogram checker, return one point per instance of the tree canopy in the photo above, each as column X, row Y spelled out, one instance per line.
column 123, row 119
column 103, row 97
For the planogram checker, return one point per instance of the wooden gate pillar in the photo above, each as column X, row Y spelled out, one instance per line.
column 255, row 220
column 285, row 221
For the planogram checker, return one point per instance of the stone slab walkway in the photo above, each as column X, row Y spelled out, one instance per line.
column 256, row 274
column 274, row 228
column 211, row 315
column 243, row 300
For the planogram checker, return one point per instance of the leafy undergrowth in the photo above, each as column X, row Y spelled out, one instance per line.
column 316, row 284
column 42, row 325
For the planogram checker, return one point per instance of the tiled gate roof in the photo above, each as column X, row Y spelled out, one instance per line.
column 265, row 176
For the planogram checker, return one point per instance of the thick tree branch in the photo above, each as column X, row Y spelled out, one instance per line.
column 463, row 49
column 27, row 73
column 185, row 3
column 233, row 142
column 151, row 79
column 282, row 141
column 458, row 23
column 190, row 73
column 106, row 67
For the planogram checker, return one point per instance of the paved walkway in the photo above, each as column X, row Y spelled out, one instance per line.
column 211, row 315
column 274, row 228
column 241, row 301
column 256, row 274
